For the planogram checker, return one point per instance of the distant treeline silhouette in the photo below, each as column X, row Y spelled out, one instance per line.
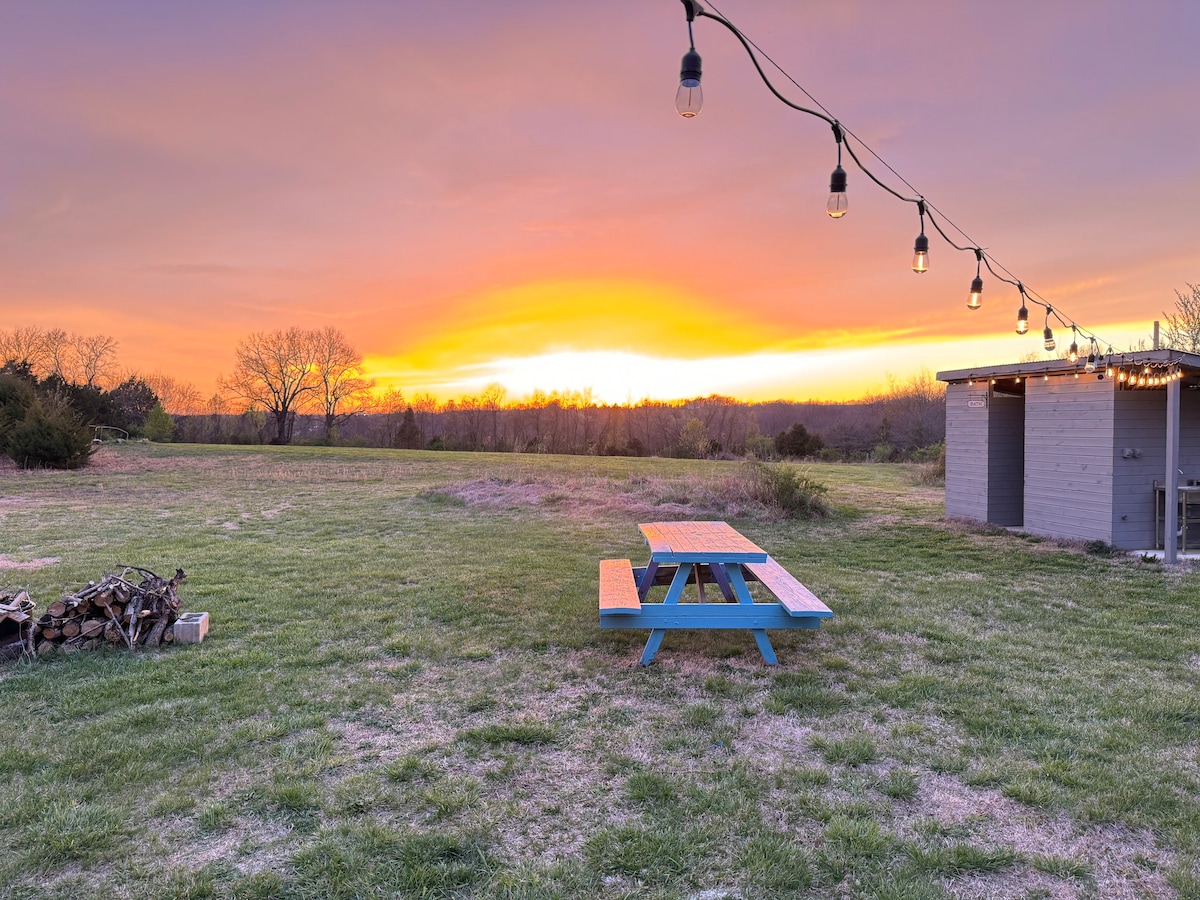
column 895, row 425
column 308, row 386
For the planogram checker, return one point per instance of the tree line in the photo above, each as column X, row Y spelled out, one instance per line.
column 309, row 385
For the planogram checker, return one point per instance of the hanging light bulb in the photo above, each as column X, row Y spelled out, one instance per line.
column 836, row 205
column 1073, row 350
column 920, row 263
column 976, row 298
column 1108, row 370
column 1048, row 339
column 1023, row 312
column 1090, row 365
column 1121, row 375
column 975, row 301
column 689, row 98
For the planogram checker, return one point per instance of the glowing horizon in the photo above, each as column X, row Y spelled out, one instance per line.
column 619, row 377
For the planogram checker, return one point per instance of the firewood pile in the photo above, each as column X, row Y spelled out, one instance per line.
column 116, row 611
column 16, row 624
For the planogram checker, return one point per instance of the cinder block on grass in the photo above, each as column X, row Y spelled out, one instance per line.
column 190, row 628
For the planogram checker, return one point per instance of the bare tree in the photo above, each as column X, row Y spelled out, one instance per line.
column 95, row 357
column 58, row 354
column 24, row 345
column 277, row 371
column 1183, row 328
column 342, row 391
column 178, row 397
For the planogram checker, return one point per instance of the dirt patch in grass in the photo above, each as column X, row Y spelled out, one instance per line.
column 587, row 497
column 6, row 563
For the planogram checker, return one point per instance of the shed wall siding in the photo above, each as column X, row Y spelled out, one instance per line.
column 966, row 452
column 1069, row 458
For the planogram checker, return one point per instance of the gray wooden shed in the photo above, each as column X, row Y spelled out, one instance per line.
column 1055, row 450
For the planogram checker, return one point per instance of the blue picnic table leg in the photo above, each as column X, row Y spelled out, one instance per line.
column 674, row 592
column 647, row 580
column 722, row 580
column 738, row 582
column 764, row 646
column 652, row 645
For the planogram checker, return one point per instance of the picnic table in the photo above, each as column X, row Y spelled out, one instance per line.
column 704, row 553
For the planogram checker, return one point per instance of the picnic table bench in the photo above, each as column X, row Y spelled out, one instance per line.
column 700, row 553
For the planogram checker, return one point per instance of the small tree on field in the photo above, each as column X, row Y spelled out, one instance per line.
column 160, row 427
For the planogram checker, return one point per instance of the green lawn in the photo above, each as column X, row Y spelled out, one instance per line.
column 405, row 692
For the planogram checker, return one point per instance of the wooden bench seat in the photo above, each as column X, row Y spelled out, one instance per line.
column 618, row 590
column 792, row 595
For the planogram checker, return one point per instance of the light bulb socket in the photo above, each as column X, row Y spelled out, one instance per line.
column 690, row 68
column 922, row 244
column 837, row 181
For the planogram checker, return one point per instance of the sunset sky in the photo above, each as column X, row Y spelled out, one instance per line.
column 502, row 192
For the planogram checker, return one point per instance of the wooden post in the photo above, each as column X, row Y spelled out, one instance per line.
column 1171, row 484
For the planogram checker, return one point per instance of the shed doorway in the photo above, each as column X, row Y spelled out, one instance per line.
column 1006, row 456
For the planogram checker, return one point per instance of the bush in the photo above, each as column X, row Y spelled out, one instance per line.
column 785, row 490
column 16, row 396
column 797, row 441
column 50, row 436
column 160, row 427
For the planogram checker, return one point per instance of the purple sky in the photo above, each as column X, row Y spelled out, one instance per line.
column 503, row 192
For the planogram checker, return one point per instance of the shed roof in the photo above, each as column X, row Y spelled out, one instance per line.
column 1188, row 363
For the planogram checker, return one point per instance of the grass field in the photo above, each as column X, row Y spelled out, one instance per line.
column 405, row 692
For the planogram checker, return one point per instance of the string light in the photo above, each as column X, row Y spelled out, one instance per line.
column 690, row 97
column 689, row 100
column 836, row 205
column 976, row 298
column 1022, row 313
column 1073, row 350
column 920, row 263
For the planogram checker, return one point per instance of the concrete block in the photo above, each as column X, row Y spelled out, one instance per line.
column 190, row 628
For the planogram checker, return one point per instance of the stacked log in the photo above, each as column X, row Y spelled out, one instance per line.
column 115, row 611
column 16, row 624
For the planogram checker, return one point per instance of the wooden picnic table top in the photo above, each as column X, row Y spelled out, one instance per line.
column 699, row 542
